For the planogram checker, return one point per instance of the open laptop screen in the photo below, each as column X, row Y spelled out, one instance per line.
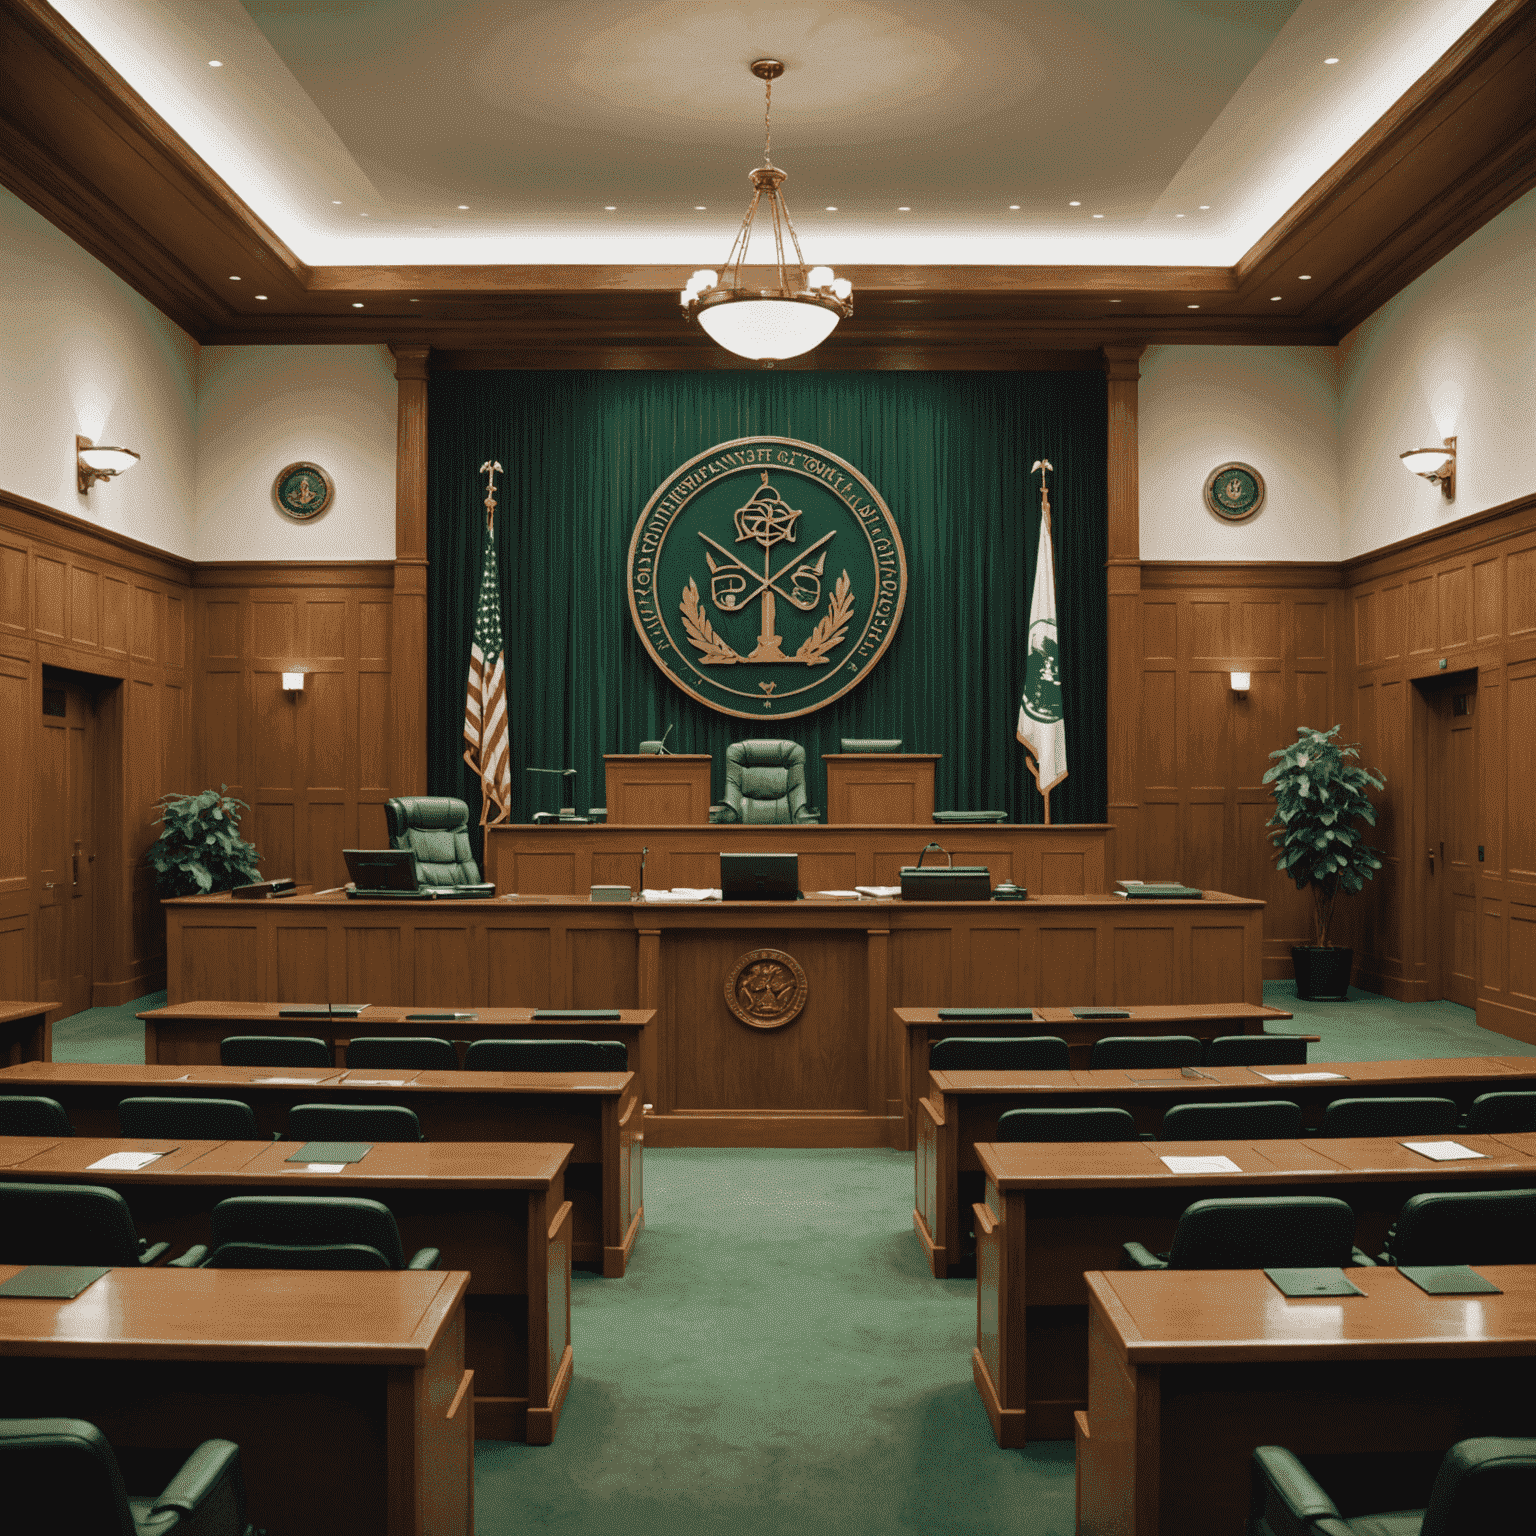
column 382, row 869
column 759, row 876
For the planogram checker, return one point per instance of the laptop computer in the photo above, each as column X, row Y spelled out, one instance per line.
column 389, row 874
column 759, row 876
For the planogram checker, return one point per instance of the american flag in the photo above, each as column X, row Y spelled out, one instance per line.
column 487, row 750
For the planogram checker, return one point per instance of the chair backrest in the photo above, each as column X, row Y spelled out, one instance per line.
column 1251, row 1120
column 1013, row 1053
column 353, row 1122
column 1389, row 1117
column 1483, row 1485
column 864, row 744
column 436, row 829
column 274, row 1051
column 30, row 1114
column 406, row 1051
column 546, row 1056
column 1255, row 1051
column 1492, row 1113
column 1486, row 1226
column 1145, row 1051
column 303, row 1232
column 1288, row 1232
column 66, row 1224
column 194, row 1119
column 765, row 780
column 61, row 1475
column 1066, row 1125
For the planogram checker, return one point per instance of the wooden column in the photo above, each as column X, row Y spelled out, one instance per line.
column 1122, row 366
column 408, row 659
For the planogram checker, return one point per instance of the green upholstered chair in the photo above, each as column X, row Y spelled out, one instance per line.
column 1282, row 1231
column 191, row 1119
column 60, row 1475
column 1145, row 1051
column 30, row 1114
column 1016, row 1053
column 274, row 1051
column 1484, row 1488
column 546, row 1056
column 1495, row 1113
column 70, row 1224
column 1389, row 1117
column 353, row 1122
column 409, row 1052
column 765, row 783
column 1484, row 1226
column 436, row 829
column 1256, row 1051
column 308, row 1232
column 1250, row 1120
column 1096, row 1124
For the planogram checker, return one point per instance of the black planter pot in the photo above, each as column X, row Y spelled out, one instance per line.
column 1322, row 971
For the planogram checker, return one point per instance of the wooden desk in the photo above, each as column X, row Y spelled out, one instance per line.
column 599, row 1113
column 1189, row 1370
column 870, row 788
column 647, row 788
column 1055, row 1210
column 495, row 1209
column 347, row 1394
column 25, row 1033
column 962, row 1108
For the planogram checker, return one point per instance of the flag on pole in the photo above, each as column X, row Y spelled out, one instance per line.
column 1041, row 727
column 487, row 749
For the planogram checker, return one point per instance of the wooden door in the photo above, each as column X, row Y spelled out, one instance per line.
column 66, row 842
column 1451, row 909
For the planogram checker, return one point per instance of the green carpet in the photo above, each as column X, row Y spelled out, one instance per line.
column 105, row 1034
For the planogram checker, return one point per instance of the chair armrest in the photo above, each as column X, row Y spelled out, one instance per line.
column 191, row 1259
column 1135, row 1256
column 153, row 1254
column 1147, row 1136
column 807, row 814
column 1287, row 1498
column 425, row 1258
column 207, row 1492
column 720, row 814
column 1359, row 1260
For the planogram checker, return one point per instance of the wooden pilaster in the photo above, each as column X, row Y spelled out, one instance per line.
column 408, row 668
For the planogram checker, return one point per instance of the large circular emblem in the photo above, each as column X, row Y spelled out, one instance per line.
column 302, row 491
column 766, row 577
column 1234, row 492
column 765, row 988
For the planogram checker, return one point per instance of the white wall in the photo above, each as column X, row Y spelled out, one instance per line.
column 1272, row 407
column 1453, row 354
column 262, row 408
column 81, row 352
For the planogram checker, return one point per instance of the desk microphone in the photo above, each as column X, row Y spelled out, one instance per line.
column 662, row 748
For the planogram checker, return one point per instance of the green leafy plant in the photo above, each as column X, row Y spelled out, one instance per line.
column 1320, row 802
column 201, row 849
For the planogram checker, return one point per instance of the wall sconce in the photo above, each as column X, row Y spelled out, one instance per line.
column 1239, row 682
column 1437, row 465
column 293, row 682
column 93, row 463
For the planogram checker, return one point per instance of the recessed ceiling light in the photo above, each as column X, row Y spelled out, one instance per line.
column 261, row 296
column 1114, row 301
column 1178, row 215
column 233, row 278
column 415, row 301
column 1098, row 215
column 700, row 208
column 1274, row 298
column 1306, row 277
column 831, row 207
column 904, row 209
column 362, row 215
column 1205, row 207
column 463, row 207
column 1192, row 306
column 335, row 202
column 610, row 208
column 1074, row 205
column 357, row 306
column 1330, row 61
column 215, row 63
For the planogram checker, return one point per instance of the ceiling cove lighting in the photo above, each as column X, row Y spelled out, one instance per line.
column 1437, row 465
column 766, row 324
column 93, row 463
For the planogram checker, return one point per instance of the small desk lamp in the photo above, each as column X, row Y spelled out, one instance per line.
column 567, row 812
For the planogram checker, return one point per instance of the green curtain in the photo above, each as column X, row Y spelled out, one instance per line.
column 950, row 454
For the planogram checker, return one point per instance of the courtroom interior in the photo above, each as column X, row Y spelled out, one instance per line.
column 820, row 714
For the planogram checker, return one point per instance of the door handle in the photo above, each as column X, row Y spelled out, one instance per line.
column 1431, row 861
column 74, row 877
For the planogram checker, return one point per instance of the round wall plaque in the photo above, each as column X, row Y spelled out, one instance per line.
column 766, row 577
column 765, row 988
column 303, row 491
column 1234, row 492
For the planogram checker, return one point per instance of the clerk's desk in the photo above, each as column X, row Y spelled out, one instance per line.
column 1055, row 1210
column 346, row 1393
column 962, row 1109
column 495, row 1209
column 1189, row 1370
column 599, row 1113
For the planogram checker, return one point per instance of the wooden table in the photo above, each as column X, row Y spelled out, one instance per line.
column 347, row 1394
column 962, row 1108
column 495, row 1209
column 25, row 1033
column 599, row 1113
column 1189, row 1370
column 1054, row 1211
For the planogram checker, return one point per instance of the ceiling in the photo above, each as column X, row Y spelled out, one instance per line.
column 1002, row 179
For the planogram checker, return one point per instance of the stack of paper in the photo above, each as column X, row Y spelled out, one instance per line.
column 684, row 893
column 878, row 890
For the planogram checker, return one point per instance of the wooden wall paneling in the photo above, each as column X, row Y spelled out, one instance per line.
column 408, row 680
column 1123, row 577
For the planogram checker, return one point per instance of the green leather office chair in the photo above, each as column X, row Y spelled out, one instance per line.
column 308, row 1232
column 765, row 783
column 60, row 1475
column 189, row 1119
column 1283, row 1232
column 1250, row 1120
column 353, row 1122
column 1145, row 1051
column 1389, row 1117
column 408, row 1052
column 1493, row 1114
column 1484, row 1487
column 436, row 829
column 274, row 1051
column 1007, row 1053
column 1484, row 1226
column 30, row 1114
column 71, row 1224
column 1097, row 1124
column 546, row 1056
column 1256, row 1051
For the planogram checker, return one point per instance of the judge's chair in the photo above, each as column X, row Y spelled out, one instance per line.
column 764, row 784
column 436, row 829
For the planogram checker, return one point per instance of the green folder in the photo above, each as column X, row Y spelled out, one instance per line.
column 949, row 1014
column 1313, row 1282
column 1101, row 1013
column 1448, row 1280
column 331, row 1152
column 52, row 1282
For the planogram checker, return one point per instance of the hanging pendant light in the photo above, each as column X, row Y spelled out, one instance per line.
column 766, row 324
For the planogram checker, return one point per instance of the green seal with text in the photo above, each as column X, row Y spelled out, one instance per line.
column 302, row 491
column 766, row 577
column 1234, row 491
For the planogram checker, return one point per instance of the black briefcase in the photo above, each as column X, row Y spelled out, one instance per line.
column 966, row 882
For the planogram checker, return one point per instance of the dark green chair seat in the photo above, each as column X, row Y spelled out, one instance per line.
column 61, row 1476
column 1250, row 1120
column 765, row 783
column 1144, row 1051
column 1495, row 1113
column 30, row 1114
column 353, row 1122
column 191, row 1119
column 1005, row 1053
column 1256, row 1051
column 1093, row 1124
column 1485, row 1226
column 70, row 1224
column 1280, row 1231
column 864, row 744
column 274, row 1051
column 436, row 829
column 1389, row 1117
column 308, row 1232
column 406, row 1052
column 546, row 1056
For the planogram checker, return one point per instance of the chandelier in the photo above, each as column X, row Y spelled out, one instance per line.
column 765, row 324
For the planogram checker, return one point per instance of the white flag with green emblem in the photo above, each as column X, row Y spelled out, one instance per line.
column 1041, row 727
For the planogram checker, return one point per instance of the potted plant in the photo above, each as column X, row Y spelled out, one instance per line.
column 201, row 849
column 1320, row 803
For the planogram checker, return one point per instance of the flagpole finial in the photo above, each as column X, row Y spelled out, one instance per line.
column 490, row 469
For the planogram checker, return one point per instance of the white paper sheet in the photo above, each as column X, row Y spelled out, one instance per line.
column 126, row 1162
column 1304, row 1077
column 1442, row 1151
column 683, row 893
column 1201, row 1165
column 847, row 895
column 878, row 890
column 308, row 1082
column 324, row 1167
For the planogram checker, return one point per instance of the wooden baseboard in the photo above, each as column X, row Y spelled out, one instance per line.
column 1517, row 1023
column 113, row 994
column 1007, row 1423
column 616, row 1259
column 763, row 1128
column 938, row 1259
column 543, row 1422
column 501, row 1418
column 1401, row 989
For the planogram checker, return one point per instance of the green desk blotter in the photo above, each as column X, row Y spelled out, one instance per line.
column 1448, row 1280
column 576, row 1013
column 52, row 1282
column 1313, row 1282
column 1101, row 1013
column 331, row 1152
column 949, row 1014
